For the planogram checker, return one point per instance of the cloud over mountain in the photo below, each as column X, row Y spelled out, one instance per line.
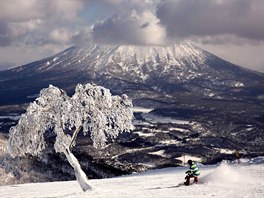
column 136, row 28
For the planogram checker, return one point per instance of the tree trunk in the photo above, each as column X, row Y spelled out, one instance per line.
column 79, row 173
column 74, row 136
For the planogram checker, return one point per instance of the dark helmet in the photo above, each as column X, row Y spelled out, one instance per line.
column 190, row 162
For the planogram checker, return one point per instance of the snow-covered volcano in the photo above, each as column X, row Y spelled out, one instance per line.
column 139, row 71
column 135, row 62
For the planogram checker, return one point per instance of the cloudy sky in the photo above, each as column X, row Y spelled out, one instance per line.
column 34, row 29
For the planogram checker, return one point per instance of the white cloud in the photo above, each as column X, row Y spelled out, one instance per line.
column 136, row 28
column 82, row 37
column 23, row 10
column 35, row 23
column 61, row 35
column 64, row 9
column 17, row 10
column 19, row 29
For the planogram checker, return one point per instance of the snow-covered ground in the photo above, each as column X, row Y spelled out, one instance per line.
column 184, row 158
column 141, row 109
column 219, row 181
column 160, row 119
column 11, row 117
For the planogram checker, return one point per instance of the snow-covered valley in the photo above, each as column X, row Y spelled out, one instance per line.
column 227, row 179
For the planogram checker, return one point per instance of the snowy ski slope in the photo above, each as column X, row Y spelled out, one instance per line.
column 219, row 181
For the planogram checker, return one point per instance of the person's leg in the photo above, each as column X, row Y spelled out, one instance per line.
column 195, row 179
column 187, row 182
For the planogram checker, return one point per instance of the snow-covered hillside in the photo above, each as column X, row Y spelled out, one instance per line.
column 223, row 180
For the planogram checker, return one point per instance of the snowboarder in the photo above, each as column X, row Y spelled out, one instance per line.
column 193, row 172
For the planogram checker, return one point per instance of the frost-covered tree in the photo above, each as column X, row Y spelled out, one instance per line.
column 92, row 110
